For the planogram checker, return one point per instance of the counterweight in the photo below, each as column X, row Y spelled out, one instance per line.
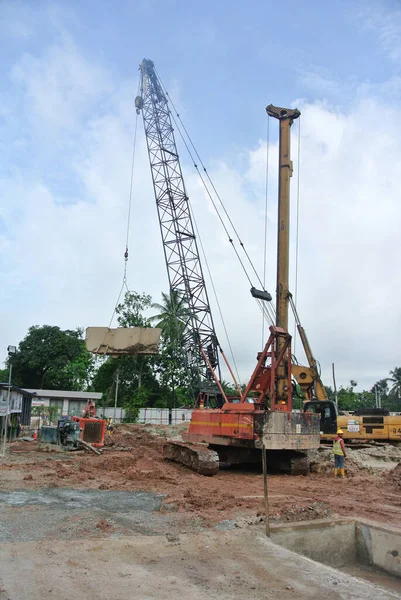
column 176, row 226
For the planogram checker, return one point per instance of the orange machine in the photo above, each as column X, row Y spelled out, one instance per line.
column 92, row 431
column 261, row 417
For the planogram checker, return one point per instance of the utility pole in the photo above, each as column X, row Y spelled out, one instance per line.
column 116, row 395
column 334, row 385
column 286, row 116
column 11, row 350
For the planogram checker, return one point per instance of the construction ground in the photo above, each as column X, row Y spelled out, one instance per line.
column 128, row 524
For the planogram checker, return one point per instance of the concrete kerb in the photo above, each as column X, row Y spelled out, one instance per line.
column 343, row 541
column 302, row 569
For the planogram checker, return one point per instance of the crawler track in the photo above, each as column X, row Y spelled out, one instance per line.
column 195, row 456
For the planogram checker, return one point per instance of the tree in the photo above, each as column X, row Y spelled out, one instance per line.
column 229, row 388
column 381, row 387
column 131, row 311
column 4, row 375
column 137, row 401
column 395, row 378
column 348, row 399
column 49, row 357
column 173, row 315
column 135, row 373
column 172, row 319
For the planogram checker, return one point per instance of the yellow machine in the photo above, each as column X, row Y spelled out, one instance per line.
column 371, row 424
column 364, row 424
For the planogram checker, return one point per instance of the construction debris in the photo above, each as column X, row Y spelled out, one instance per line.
column 89, row 447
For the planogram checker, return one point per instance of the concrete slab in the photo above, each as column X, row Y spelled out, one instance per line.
column 223, row 565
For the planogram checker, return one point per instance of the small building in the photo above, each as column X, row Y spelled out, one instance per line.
column 68, row 403
column 17, row 408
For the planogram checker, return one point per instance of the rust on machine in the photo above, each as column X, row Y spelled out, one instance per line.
column 197, row 457
column 122, row 340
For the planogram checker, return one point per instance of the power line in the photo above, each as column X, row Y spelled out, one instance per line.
column 297, row 225
column 210, row 181
column 124, row 282
column 266, row 215
column 215, row 295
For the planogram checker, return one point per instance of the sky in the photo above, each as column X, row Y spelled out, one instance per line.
column 68, row 80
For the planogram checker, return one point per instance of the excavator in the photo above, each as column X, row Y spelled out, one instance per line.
column 222, row 429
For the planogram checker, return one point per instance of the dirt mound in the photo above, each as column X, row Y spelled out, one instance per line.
column 322, row 462
column 134, row 436
column 306, row 512
column 359, row 461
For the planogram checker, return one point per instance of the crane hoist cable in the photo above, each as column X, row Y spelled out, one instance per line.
column 126, row 252
column 215, row 293
column 270, row 309
column 297, row 226
column 212, row 185
column 266, row 217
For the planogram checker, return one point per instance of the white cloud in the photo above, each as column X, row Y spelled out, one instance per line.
column 63, row 252
column 17, row 19
column 61, row 87
column 385, row 21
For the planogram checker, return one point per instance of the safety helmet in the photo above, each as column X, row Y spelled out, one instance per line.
column 339, row 432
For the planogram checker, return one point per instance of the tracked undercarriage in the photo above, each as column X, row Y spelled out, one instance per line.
column 233, row 436
column 197, row 457
column 207, row 460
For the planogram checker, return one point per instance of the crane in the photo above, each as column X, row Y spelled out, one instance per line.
column 180, row 246
column 262, row 416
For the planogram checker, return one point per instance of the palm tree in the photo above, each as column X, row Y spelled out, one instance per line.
column 172, row 319
column 173, row 315
column 381, row 386
column 395, row 378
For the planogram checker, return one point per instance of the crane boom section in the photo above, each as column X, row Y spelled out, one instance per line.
column 178, row 236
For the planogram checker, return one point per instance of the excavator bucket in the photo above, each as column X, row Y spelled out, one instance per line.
column 123, row 340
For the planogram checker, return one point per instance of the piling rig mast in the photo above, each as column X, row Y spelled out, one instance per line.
column 179, row 241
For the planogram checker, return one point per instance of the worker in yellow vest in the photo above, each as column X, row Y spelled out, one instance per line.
column 109, row 426
column 339, row 454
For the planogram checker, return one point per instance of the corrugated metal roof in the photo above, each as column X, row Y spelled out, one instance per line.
column 16, row 388
column 66, row 394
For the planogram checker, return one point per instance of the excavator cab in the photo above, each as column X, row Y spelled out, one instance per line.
column 328, row 414
column 209, row 399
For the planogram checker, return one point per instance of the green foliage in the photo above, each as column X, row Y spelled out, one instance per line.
column 4, row 373
column 229, row 388
column 395, row 379
column 390, row 396
column 51, row 358
column 134, row 372
column 138, row 400
column 130, row 312
column 381, row 387
column 170, row 365
column 329, row 392
column 173, row 315
column 49, row 414
column 349, row 399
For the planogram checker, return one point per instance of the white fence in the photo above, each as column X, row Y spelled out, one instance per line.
column 180, row 415
column 109, row 412
column 164, row 416
column 156, row 416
